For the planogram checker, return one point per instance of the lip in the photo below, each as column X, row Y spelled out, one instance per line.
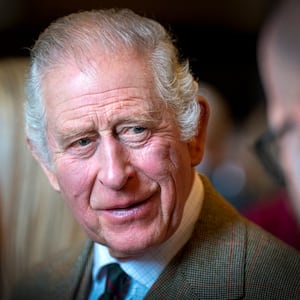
column 126, row 204
column 130, row 210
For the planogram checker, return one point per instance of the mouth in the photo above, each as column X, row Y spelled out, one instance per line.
column 134, row 209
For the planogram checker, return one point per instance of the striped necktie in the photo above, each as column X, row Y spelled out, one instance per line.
column 117, row 283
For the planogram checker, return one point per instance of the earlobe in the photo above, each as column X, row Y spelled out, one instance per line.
column 49, row 173
column 197, row 143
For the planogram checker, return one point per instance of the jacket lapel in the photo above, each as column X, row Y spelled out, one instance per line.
column 83, row 267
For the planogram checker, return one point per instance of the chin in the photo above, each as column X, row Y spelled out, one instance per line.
column 125, row 253
column 124, row 250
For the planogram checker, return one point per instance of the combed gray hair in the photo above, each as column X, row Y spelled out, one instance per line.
column 72, row 37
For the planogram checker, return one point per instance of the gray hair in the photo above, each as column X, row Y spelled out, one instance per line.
column 71, row 37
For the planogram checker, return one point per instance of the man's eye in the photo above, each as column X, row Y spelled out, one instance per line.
column 138, row 129
column 83, row 148
column 133, row 135
column 83, row 142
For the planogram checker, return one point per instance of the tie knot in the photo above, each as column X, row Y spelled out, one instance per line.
column 117, row 283
column 115, row 273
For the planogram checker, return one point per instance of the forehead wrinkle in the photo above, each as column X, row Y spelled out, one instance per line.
column 116, row 97
column 88, row 102
column 119, row 92
column 95, row 120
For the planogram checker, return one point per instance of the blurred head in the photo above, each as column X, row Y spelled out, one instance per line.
column 279, row 62
column 114, row 119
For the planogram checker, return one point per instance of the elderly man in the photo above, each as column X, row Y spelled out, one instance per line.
column 114, row 120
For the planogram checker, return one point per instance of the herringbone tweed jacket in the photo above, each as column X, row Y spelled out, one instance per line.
column 226, row 258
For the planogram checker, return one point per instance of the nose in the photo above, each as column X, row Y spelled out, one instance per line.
column 115, row 168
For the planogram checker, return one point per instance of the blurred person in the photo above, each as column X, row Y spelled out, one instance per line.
column 115, row 121
column 279, row 147
column 1, row 250
column 35, row 222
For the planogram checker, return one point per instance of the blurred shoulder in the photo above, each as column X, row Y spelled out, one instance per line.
column 57, row 277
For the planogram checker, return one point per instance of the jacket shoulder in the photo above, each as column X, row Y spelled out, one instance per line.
column 229, row 257
column 271, row 265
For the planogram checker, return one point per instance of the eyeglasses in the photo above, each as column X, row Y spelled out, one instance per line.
column 267, row 151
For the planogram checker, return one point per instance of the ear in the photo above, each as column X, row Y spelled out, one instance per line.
column 197, row 143
column 46, row 168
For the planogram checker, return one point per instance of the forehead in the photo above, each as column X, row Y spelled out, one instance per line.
column 98, row 72
column 106, row 78
column 281, row 86
column 280, row 72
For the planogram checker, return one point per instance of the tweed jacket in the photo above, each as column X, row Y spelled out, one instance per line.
column 227, row 257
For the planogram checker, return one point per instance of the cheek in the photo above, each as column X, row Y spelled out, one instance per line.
column 291, row 161
column 293, row 179
column 156, row 161
column 169, row 165
column 75, row 179
column 175, row 161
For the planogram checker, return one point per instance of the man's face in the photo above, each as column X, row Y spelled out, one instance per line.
column 117, row 155
column 283, row 94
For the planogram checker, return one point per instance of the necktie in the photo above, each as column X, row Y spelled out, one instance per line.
column 117, row 283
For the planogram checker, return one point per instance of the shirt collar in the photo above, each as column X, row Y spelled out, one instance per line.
column 147, row 268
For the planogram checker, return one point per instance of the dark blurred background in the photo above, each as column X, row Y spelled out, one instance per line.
column 218, row 36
